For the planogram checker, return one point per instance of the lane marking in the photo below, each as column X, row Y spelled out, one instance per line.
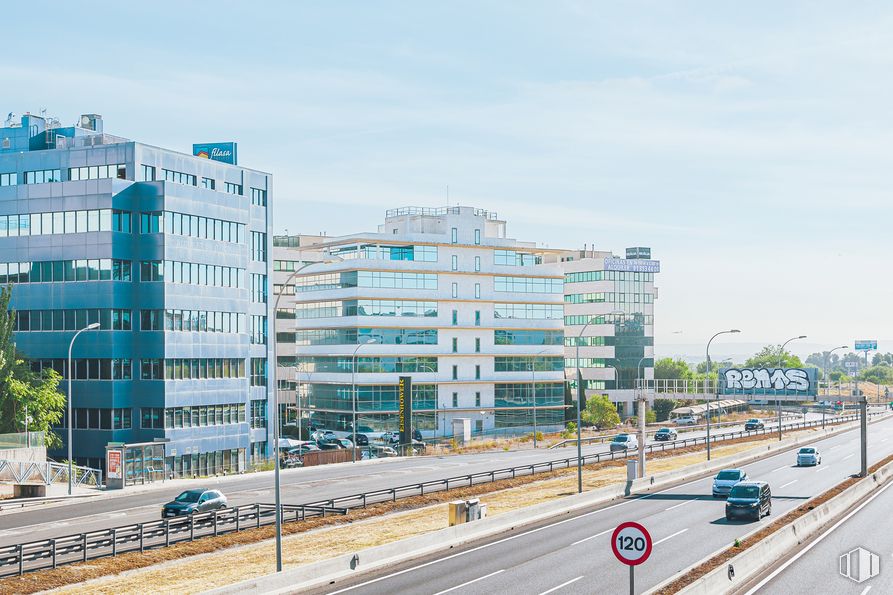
column 682, row 504
column 584, row 540
column 848, row 456
column 573, row 580
column 780, row 468
column 659, row 541
column 822, row 468
column 788, row 484
column 469, row 582
column 818, row 540
column 866, row 590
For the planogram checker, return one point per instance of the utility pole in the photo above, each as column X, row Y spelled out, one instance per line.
column 863, row 410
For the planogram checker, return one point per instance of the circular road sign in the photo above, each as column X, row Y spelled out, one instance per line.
column 631, row 543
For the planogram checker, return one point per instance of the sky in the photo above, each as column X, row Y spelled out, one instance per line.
column 748, row 144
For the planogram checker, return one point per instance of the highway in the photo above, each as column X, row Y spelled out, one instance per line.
column 574, row 555
column 814, row 569
column 299, row 486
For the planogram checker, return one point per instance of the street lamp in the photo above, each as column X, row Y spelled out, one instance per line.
column 707, row 380
column 642, row 403
column 353, row 391
column 827, row 381
column 89, row 327
column 275, row 413
column 781, row 364
column 298, row 397
column 533, row 389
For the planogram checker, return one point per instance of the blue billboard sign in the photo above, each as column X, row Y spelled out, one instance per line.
column 225, row 152
column 769, row 381
column 866, row 345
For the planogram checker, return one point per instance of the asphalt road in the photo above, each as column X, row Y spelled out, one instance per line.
column 299, row 486
column 815, row 569
column 574, row 555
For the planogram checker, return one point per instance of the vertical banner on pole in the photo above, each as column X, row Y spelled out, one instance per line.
column 404, row 396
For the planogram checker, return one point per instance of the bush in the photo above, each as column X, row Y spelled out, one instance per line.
column 663, row 407
column 570, row 430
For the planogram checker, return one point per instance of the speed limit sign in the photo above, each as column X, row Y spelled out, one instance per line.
column 631, row 543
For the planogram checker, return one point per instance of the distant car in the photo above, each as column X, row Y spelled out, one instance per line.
column 391, row 438
column 329, row 444
column 417, row 435
column 193, row 501
column 808, row 456
column 624, row 442
column 303, row 449
column 324, row 436
column 749, row 499
column 383, row 451
column 345, row 443
column 754, row 424
column 362, row 440
column 686, row 420
column 665, row 434
column 726, row 479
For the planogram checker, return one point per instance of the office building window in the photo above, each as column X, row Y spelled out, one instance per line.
column 477, row 291
column 455, row 396
column 477, row 399
column 10, row 179
column 477, row 318
column 43, row 176
column 529, row 311
column 477, row 264
column 58, row 271
column 455, row 290
column 88, row 369
column 455, row 345
column 513, row 337
column 515, row 258
column 527, row 284
column 454, row 235
column 209, row 183
column 258, row 197
column 455, row 372
column 173, row 271
column 477, row 237
column 258, row 246
column 147, row 173
column 477, row 372
column 109, row 319
column 258, row 371
column 477, row 344
column 178, row 177
column 194, row 226
column 259, row 330
column 64, row 222
column 232, row 188
column 455, row 317
column 455, row 262
column 99, row 418
column 258, row 288
column 97, row 172
column 191, row 368
column 194, row 321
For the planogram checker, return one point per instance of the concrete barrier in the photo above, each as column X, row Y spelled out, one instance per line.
column 340, row 567
column 749, row 563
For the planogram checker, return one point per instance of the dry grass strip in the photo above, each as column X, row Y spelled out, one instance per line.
column 331, row 536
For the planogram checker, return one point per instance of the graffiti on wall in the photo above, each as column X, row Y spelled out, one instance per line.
column 769, row 381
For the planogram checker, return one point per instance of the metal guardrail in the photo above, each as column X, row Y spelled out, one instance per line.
column 47, row 472
column 80, row 547
column 416, row 489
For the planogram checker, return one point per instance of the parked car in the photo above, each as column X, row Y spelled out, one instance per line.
column 686, row 420
column 624, row 442
column 362, row 440
column 726, row 479
column 383, row 451
column 749, row 499
column 754, row 424
column 303, row 449
column 391, row 438
column 665, row 434
column 321, row 436
column 329, row 444
column 417, row 435
column 345, row 443
column 808, row 456
column 193, row 501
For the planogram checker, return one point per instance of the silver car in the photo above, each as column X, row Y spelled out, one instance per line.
column 726, row 479
column 808, row 456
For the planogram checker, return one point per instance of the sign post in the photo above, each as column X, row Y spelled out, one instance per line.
column 404, row 397
column 631, row 544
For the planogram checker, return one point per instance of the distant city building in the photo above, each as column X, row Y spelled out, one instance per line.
column 475, row 318
column 168, row 253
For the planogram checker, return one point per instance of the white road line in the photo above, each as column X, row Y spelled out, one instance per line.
column 682, row 504
column 822, row 468
column 848, row 456
column 780, row 468
column 585, row 539
column 835, row 446
column 790, row 483
column 884, row 440
column 469, row 582
column 866, row 590
column 818, row 540
column 659, row 541
column 573, row 580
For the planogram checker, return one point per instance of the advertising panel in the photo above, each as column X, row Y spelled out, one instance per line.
column 225, row 152
column 404, row 395
column 866, row 345
column 769, row 381
column 113, row 464
column 632, row 265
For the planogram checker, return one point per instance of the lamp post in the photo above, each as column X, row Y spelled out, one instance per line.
column 827, row 380
column 298, row 398
column 89, row 327
column 707, row 379
column 275, row 414
column 642, row 403
column 533, row 389
column 781, row 364
column 353, row 392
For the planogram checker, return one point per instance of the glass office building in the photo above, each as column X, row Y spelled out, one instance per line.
column 168, row 253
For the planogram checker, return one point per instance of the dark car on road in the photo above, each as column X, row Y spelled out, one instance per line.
column 193, row 501
column 749, row 499
column 665, row 434
column 754, row 424
column 362, row 439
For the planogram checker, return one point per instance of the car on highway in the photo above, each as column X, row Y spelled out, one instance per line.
column 665, row 434
column 624, row 442
column 303, row 449
column 193, row 501
column 749, row 499
column 754, row 424
column 726, row 479
column 686, row 420
column 808, row 456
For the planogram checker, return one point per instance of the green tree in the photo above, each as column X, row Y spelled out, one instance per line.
column 668, row 368
column 772, row 356
column 23, row 392
column 663, row 407
column 600, row 412
column 880, row 374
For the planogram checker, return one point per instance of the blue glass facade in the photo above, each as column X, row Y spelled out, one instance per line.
column 171, row 368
